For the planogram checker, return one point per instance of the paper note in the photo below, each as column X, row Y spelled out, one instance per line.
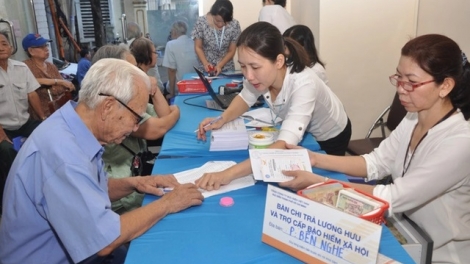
column 261, row 117
column 268, row 164
column 190, row 176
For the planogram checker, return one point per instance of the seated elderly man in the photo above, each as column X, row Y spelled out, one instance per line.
column 17, row 91
column 58, row 197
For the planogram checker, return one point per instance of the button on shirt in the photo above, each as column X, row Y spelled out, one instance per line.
column 18, row 82
column 305, row 103
column 56, row 203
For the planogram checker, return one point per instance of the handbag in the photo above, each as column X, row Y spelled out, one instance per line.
column 142, row 162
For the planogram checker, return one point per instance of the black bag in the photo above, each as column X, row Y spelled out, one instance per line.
column 142, row 162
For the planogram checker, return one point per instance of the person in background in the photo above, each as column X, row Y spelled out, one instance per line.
column 132, row 32
column 179, row 56
column 304, row 36
column 118, row 158
column 52, row 84
column 427, row 154
column 57, row 206
column 215, row 35
column 17, row 91
column 274, row 12
column 83, row 65
column 292, row 91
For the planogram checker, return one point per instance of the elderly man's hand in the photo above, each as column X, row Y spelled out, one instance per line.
column 154, row 184
column 182, row 197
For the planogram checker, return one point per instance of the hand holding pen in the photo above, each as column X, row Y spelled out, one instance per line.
column 208, row 124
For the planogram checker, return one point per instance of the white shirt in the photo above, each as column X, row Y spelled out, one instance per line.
column 16, row 83
column 180, row 55
column 278, row 16
column 435, row 190
column 305, row 103
column 321, row 72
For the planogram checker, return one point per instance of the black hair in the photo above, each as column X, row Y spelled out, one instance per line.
column 267, row 41
column 304, row 36
column 278, row 2
column 84, row 52
column 442, row 58
column 223, row 8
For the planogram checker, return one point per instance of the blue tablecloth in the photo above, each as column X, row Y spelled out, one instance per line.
column 181, row 139
column 211, row 233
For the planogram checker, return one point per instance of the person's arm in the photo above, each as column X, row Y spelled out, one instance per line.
column 236, row 108
column 160, row 104
column 171, row 83
column 50, row 82
column 156, row 127
column 200, row 54
column 3, row 135
column 136, row 222
column 232, row 48
column 35, row 103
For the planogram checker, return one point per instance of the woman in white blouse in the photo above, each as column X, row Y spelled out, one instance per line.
column 290, row 88
column 428, row 153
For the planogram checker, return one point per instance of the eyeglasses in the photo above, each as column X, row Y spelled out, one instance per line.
column 407, row 86
column 139, row 118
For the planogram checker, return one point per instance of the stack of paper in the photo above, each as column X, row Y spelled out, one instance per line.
column 231, row 136
column 268, row 164
column 190, row 176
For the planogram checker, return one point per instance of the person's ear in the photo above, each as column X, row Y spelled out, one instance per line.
column 280, row 61
column 446, row 87
column 107, row 107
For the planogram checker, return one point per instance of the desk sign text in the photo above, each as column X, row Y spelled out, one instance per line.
column 315, row 233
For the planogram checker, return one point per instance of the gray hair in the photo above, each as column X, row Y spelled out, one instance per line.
column 133, row 30
column 180, row 28
column 111, row 51
column 110, row 76
column 5, row 33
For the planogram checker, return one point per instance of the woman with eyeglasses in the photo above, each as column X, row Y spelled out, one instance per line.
column 215, row 35
column 53, row 86
column 290, row 88
column 304, row 36
column 428, row 154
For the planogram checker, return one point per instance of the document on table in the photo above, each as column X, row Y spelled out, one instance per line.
column 231, row 136
column 261, row 117
column 268, row 164
column 190, row 176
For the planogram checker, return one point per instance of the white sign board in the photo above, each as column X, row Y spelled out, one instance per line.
column 313, row 232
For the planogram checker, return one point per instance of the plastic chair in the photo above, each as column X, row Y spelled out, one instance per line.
column 396, row 112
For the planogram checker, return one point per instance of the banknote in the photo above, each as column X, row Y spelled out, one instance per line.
column 326, row 194
column 354, row 203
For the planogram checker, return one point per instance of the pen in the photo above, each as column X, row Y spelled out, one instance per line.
column 167, row 189
column 210, row 123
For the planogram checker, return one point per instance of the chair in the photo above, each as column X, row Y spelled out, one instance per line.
column 396, row 112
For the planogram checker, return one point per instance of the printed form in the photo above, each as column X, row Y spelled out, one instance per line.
column 268, row 164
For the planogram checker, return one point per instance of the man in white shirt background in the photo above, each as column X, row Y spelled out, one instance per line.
column 274, row 12
column 179, row 57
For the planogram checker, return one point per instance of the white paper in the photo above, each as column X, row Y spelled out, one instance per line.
column 261, row 117
column 190, row 176
column 231, row 136
column 267, row 164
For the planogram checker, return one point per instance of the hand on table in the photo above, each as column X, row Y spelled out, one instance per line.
column 213, row 180
column 182, row 197
column 154, row 184
column 208, row 124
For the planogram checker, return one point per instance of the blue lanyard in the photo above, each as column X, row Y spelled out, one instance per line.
column 221, row 37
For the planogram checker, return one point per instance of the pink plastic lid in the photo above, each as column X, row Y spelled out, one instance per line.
column 226, row 201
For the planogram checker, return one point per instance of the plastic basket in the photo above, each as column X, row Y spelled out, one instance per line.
column 191, row 87
column 376, row 216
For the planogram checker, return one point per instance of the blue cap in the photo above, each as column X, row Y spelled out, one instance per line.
column 34, row 40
